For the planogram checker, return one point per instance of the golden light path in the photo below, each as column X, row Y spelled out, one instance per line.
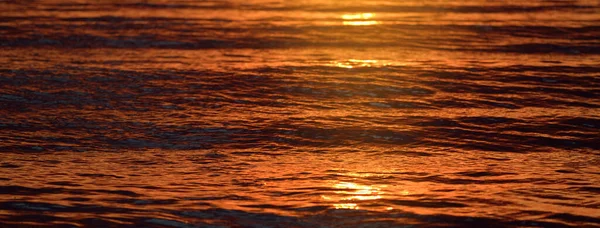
column 353, row 192
column 360, row 16
column 360, row 23
column 351, row 63
column 360, row 19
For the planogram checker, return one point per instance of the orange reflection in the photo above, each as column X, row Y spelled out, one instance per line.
column 351, row 206
column 360, row 23
column 351, row 63
column 342, row 65
column 349, row 191
column 360, row 192
column 360, row 16
column 360, row 19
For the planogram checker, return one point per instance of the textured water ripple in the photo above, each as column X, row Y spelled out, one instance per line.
column 299, row 114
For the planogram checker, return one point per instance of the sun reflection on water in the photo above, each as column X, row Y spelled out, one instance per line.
column 359, row 19
column 352, row 192
column 346, row 206
column 359, row 16
column 360, row 23
column 351, row 63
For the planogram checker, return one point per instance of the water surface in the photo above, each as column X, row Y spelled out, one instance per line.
column 299, row 113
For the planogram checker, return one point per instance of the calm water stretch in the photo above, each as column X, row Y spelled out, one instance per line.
column 256, row 113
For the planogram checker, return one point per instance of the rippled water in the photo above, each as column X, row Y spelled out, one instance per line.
column 299, row 113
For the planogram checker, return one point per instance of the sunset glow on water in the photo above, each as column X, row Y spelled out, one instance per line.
column 299, row 113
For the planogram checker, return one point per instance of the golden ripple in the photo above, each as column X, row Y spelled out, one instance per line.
column 359, row 19
column 358, row 16
column 360, row 23
column 352, row 63
column 351, row 206
column 352, row 192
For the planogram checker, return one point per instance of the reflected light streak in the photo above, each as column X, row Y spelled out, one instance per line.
column 343, row 65
column 360, row 23
column 351, row 63
column 359, row 19
column 353, row 192
column 351, row 206
column 358, row 16
column 362, row 192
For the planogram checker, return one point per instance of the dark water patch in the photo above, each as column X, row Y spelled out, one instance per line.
column 340, row 135
column 554, row 129
column 223, row 216
column 64, row 183
column 20, row 190
column 268, row 206
column 498, row 141
column 577, row 93
column 88, row 41
column 578, row 219
column 224, row 197
column 425, row 203
column 497, row 159
column 438, row 122
column 482, row 181
column 587, row 189
column 140, row 201
column 22, row 18
column 488, row 120
column 370, row 218
column 538, row 48
column 484, row 174
column 7, row 165
column 350, row 90
column 312, row 208
column 565, row 171
column 547, row 32
column 256, row 153
column 99, row 175
column 77, row 199
column 466, row 221
column 215, row 154
column 578, row 122
column 553, row 69
column 558, row 100
column 57, row 208
column 466, row 87
column 119, row 192
column 168, row 223
column 559, row 81
column 485, row 201
column 39, row 219
column 31, row 206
